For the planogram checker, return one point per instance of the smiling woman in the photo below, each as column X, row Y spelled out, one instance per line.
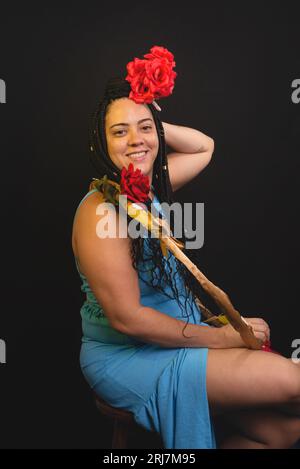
column 138, row 353
column 136, row 297
column 131, row 135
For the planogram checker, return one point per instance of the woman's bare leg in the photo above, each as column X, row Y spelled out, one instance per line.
column 292, row 408
column 240, row 378
column 237, row 441
column 247, row 389
column 264, row 429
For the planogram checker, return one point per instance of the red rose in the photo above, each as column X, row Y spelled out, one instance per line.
column 161, row 77
column 134, row 184
column 140, row 89
column 152, row 78
column 136, row 66
column 161, row 53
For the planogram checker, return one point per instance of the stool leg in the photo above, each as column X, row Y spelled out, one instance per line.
column 120, row 434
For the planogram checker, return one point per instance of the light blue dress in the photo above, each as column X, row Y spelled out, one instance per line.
column 164, row 388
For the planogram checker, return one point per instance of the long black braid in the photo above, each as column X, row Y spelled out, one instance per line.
column 117, row 88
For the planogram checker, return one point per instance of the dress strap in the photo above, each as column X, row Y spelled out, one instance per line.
column 86, row 195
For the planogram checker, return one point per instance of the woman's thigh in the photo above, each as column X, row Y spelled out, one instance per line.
column 239, row 377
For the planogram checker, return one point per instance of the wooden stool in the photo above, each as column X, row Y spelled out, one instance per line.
column 123, row 424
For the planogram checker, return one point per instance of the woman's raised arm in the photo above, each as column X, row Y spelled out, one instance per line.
column 192, row 151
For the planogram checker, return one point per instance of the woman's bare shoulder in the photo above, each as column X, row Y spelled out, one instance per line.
column 90, row 200
column 87, row 214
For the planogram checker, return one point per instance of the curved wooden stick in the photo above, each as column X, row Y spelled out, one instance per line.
column 160, row 229
column 219, row 296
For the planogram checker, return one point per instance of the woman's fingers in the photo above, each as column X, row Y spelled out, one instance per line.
column 264, row 329
column 259, row 325
column 258, row 321
column 263, row 336
column 260, row 336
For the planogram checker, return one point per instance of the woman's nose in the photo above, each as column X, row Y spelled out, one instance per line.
column 134, row 137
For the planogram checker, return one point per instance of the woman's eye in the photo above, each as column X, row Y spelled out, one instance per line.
column 145, row 128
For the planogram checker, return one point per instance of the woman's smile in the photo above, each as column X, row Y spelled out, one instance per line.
column 138, row 156
column 131, row 135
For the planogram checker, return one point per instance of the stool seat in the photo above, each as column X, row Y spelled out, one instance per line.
column 124, row 423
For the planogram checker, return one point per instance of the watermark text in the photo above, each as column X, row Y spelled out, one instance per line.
column 295, row 97
column 296, row 353
column 2, row 351
column 184, row 221
column 2, row 92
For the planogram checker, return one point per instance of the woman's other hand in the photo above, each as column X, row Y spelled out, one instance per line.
column 231, row 338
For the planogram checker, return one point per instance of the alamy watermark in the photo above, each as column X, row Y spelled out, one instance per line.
column 2, row 351
column 296, row 353
column 295, row 97
column 2, row 92
column 2, row 101
column 182, row 216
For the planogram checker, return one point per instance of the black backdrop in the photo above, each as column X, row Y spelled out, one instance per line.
column 235, row 66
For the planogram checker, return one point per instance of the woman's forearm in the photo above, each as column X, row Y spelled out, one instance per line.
column 150, row 325
column 185, row 139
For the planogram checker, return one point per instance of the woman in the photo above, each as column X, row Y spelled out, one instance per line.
column 185, row 385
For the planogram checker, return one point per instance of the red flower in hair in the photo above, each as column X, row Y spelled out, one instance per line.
column 140, row 84
column 134, row 184
column 153, row 77
column 161, row 77
column 158, row 52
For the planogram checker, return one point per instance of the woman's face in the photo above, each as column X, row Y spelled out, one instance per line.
column 131, row 135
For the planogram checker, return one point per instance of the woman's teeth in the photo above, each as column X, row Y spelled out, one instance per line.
column 138, row 156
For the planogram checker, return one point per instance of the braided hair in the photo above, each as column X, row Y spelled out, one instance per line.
column 117, row 88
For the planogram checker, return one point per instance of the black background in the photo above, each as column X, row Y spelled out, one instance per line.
column 235, row 65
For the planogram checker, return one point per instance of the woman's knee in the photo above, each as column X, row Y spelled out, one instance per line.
column 289, row 382
column 284, row 436
column 269, row 427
